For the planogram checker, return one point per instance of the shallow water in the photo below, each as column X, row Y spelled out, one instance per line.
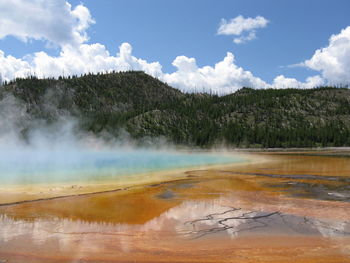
column 30, row 167
column 245, row 213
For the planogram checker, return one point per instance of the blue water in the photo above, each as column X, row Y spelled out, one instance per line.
column 26, row 167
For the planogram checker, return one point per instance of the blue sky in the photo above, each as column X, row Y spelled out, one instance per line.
column 162, row 30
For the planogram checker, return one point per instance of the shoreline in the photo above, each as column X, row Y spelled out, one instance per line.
column 222, row 210
column 16, row 194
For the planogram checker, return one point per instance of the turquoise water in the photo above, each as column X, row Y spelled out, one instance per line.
column 25, row 167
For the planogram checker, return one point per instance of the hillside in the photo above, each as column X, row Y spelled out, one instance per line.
column 146, row 107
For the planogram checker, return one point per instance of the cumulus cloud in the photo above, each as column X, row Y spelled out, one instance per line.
column 53, row 21
column 11, row 67
column 243, row 28
column 283, row 82
column 223, row 78
column 334, row 60
column 66, row 26
column 82, row 59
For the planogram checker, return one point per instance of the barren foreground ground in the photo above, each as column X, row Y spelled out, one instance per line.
column 292, row 207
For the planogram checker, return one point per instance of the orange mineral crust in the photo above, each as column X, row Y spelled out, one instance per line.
column 287, row 208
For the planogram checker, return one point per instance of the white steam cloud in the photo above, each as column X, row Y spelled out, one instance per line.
column 33, row 150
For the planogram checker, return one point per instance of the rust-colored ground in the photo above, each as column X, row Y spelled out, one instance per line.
column 165, row 222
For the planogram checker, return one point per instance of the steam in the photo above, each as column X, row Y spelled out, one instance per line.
column 34, row 150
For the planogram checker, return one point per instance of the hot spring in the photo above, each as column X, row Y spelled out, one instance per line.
column 28, row 166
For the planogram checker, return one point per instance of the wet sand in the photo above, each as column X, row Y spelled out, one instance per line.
column 292, row 208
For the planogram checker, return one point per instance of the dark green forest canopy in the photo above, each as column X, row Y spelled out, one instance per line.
column 146, row 107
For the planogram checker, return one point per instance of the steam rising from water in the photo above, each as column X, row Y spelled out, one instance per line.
column 60, row 152
column 62, row 165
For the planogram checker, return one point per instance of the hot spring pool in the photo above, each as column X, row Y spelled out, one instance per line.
column 30, row 167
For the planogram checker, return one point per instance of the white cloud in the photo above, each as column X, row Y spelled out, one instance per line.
column 11, row 67
column 283, row 82
column 243, row 39
column 243, row 28
column 223, row 78
column 334, row 60
column 54, row 21
column 82, row 59
column 67, row 27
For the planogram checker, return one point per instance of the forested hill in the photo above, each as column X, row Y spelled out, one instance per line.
column 146, row 107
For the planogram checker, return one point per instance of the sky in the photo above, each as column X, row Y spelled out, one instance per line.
column 218, row 46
